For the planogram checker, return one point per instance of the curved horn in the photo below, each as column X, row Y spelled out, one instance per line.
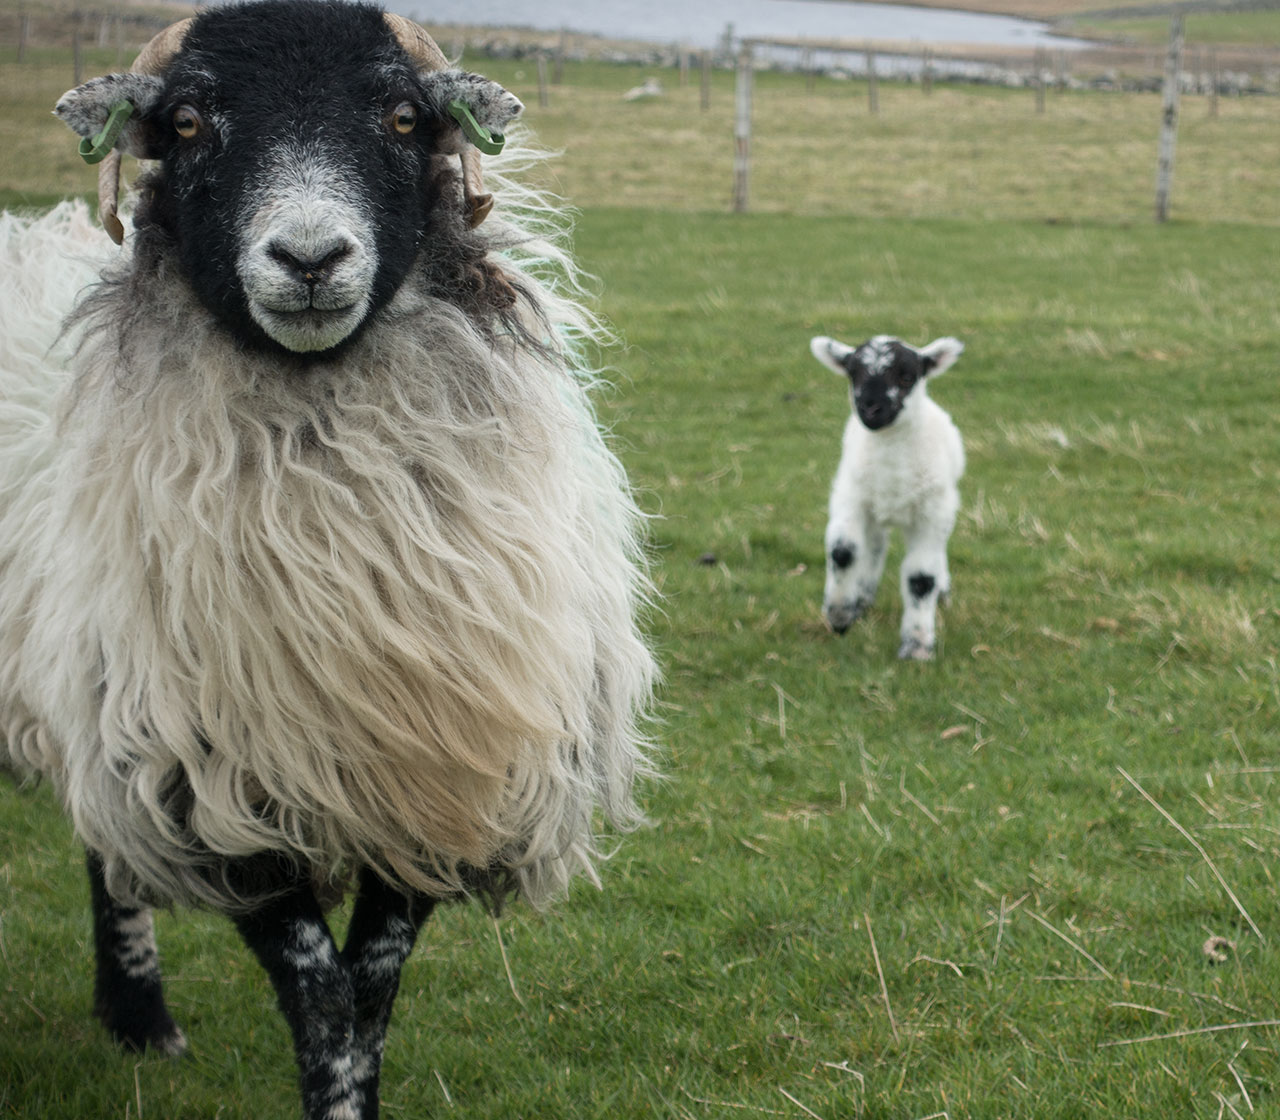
column 154, row 58
column 417, row 43
column 420, row 47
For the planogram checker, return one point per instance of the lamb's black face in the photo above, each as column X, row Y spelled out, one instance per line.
column 882, row 372
column 297, row 140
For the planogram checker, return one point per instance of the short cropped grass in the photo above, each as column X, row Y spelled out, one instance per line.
column 870, row 889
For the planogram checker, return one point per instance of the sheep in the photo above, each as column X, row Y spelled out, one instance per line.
column 901, row 461
column 317, row 571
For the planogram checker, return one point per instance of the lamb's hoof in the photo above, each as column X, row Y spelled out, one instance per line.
column 840, row 616
column 912, row 649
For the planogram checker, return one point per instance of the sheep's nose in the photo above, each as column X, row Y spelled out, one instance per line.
column 311, row 267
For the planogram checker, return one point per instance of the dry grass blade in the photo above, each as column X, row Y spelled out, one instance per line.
column 506, row 964
column 902, row 788
column 884, row 988
column 1074, row 944
column 1199, row 849
column 803, row 1108
column 731, row 1104
column 1253, row 1024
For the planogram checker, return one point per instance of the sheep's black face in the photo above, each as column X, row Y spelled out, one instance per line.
column 882, row 372
column 298, row 144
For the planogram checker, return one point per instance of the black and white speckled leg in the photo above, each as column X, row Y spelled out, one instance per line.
column 384, row 927
column 314, row 988
column 128, row 995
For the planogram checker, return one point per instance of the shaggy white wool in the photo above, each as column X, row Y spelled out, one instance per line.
column 380, row 610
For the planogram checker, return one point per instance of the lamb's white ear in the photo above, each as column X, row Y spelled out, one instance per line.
column 940, row 355
column 831, row 353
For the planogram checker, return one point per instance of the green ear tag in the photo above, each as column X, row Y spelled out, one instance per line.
column 488, row 142
column 95, row 150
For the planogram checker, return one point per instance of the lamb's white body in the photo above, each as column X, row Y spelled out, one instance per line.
column 397, row 592
column 904, row 475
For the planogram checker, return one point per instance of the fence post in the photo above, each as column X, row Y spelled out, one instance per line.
column 77, row 54
column 926, row 71
column 1169, row 119
column 1213, row 82
column 543, row 97
column 1038, row 80
column 705, row 93
column 24, row 34
column 873, row 83
column 742, row 131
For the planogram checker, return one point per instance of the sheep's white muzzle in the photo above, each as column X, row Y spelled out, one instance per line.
column 308, row 290
column 308, row 264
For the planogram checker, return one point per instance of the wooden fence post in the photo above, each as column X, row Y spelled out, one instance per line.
column 742, row 131
column 873, row 83
column 24, row 34
column 1038, row 79
column 926, row 71
column 77, row 54
column 1213, row 82
column 705, row 93
column 806, row 64
column 1169, row 119
column 544, row 98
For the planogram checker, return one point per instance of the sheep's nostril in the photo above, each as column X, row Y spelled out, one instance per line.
column 313, row 267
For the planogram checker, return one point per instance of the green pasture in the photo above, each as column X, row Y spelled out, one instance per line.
column 975, row 888
column 1249, row 28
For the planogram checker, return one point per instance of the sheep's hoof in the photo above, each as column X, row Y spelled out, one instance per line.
column 913, row 649
column 159, row 1035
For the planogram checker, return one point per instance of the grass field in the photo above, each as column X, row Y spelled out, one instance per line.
column 871, row 889
column 1248, row 27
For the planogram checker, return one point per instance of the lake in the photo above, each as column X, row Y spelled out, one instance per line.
column 702, row 23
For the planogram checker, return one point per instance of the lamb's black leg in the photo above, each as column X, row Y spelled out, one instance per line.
column 313, row 984
column 384, row 926
column 128, row 997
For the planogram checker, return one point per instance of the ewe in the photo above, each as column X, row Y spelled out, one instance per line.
column 314, row 567
column 900, row 463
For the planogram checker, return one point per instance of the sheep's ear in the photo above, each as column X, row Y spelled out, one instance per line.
column 476, row 110
column 87, row 109
column 940, row 355
column 831, row 353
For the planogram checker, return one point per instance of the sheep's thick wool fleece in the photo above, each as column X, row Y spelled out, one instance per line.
column 379, row 609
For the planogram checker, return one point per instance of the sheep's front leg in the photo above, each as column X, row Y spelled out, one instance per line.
column 925, row 580
column 128, row 996
column 314, row 988
column 384, row 927
column 856, row 548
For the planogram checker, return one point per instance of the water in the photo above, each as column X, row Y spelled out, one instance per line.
column 701, row 23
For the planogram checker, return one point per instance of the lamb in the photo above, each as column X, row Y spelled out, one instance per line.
column 316, row 570
column 901, row 461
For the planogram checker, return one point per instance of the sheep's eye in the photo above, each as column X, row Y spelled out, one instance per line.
column 403, row 118
column 187, row 123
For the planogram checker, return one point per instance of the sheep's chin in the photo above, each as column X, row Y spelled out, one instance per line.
column 310, row 329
